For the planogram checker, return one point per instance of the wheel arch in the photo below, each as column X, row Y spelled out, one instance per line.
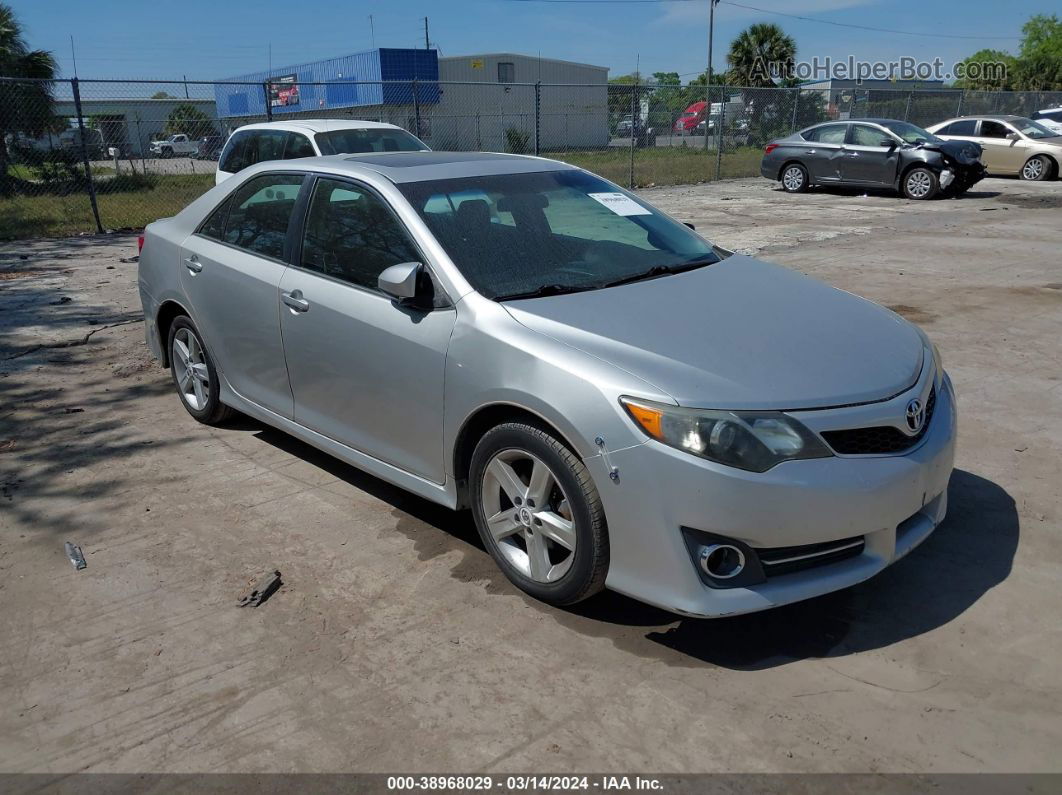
column 793, row 161
column 167, row 312
column 1052, row 163
column 479, row 422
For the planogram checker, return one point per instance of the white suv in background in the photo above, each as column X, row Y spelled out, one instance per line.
column 287, row 140
column 1051, row 118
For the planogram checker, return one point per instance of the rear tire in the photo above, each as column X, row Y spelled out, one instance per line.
column 1036, row 169
column 920, row 184
column 794, row 178
column 539, row 514
column 194, row 374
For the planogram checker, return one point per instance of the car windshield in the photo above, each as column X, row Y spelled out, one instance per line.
column 382, row 139
column 1032, row 129
column 911, row 133
column 525, row 235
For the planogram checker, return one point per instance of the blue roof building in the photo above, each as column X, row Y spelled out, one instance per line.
column 350, row 81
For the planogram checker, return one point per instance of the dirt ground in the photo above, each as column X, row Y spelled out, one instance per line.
column 395, row 645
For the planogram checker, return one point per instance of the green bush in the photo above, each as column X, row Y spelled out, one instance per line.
column 517, row 141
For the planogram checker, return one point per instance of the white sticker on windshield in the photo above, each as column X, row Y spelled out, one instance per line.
column 620, row 204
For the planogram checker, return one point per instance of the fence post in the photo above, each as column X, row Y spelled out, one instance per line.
column 538, row 116
column 268, row 104
column 962, row 96
column 907, row 111
column 719, row 137
column 416, row 108
column 796, row 105
column 84, row 153
column 634, row 132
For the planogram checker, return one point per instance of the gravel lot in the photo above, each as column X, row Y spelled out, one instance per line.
column 394, row 644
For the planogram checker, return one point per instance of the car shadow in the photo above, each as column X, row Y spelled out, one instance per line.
column 885, row 193
column 968, row 555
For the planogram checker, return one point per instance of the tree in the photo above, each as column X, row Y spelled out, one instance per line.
column 981, row 72
column 760, row 54
column 188, row 119
column 24, row 107
column 1039, row 66
column 162, row 95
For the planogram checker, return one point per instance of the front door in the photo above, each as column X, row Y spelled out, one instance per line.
column 1001, row 155
column 364, row 370
column 231, row 271
column 865, row 160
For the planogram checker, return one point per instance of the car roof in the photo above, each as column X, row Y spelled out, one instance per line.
column 995, row 116
column 402, row 167
column 319, row 125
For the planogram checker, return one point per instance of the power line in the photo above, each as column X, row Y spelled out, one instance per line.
column 781, row 14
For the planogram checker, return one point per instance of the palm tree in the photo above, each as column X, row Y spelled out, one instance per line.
column 24, row 106
column 758, row 54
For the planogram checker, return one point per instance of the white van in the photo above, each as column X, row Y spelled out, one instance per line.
column 287, row 140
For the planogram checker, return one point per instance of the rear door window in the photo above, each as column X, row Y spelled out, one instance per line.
column 961, row 127
column 260, row 212
column 298, row 145
column 828, row 134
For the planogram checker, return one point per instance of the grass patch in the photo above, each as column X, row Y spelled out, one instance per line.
column 24, row 217
column 674, row 165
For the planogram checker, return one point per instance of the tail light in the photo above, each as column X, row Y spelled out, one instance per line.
column 769, row 148
column 139, row 244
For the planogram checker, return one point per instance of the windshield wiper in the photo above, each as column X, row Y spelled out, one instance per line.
column 546, row 289
column 661, row 270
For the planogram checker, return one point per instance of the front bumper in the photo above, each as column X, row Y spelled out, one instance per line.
column 894, row 502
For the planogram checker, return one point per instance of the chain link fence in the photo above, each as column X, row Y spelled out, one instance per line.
column 91, row 155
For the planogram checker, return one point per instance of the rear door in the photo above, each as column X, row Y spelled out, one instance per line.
column 866, row 161
column 824, row 151
column 231, row 270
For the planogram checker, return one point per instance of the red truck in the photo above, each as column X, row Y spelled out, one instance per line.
column 687, row 122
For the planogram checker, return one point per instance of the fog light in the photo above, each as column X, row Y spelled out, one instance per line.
column 721, row 561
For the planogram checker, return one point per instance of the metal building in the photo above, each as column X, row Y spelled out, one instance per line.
column 488, row 101
column 376, row 85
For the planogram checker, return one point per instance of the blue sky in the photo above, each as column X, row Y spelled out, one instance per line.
column 165, row 39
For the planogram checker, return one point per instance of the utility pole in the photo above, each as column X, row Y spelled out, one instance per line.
column 372, row 32
column 73, row 57
column 708, row 75
column 426, row 45
column 186, row 86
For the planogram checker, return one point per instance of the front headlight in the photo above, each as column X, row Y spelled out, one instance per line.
column 750, row 440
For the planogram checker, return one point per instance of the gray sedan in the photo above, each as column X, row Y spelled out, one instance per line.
column 621, row 403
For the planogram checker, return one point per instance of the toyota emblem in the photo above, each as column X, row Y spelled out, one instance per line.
column 916, row 415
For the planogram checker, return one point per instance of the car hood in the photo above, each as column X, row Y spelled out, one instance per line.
column 738, row 334
column 963, row 152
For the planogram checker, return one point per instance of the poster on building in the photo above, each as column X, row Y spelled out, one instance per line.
column 283, row 91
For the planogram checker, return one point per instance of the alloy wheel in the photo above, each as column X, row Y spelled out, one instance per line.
column 1033, row 169
column 191, row 369
column 919, row 184
column 793, row 178
column 528, row 515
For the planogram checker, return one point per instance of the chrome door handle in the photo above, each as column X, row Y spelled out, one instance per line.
column 811, row 151
column 295, row 301
column 193, row 264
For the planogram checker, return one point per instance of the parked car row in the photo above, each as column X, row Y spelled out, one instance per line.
column 947, row 159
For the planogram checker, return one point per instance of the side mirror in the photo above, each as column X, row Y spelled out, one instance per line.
column 1013, row 136
column 887, row 142
column 687, row 223
column 400, row 281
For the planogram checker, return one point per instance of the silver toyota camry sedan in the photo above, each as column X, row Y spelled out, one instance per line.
column 620, row 403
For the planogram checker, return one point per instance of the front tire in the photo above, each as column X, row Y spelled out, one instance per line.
column 539, row 514
column 1036, row 169
column 920, row 184
column 194, row 374
column 794, row 178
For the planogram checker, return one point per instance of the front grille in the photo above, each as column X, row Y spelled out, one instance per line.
column 880, row 440
column 786, row 560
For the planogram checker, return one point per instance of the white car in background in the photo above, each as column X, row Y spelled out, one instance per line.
column 1051, row 118
column 288, row 140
